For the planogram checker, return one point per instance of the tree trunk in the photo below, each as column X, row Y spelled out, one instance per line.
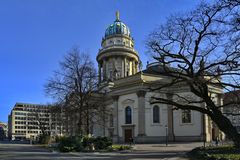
column 80, row 124
column 87, row 122
column 225, row 125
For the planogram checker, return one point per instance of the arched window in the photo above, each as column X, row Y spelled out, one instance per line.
column 128, row 115
column 156, row 116
column 186, row 116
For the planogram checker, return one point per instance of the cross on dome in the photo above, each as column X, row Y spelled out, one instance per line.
column 117, row 16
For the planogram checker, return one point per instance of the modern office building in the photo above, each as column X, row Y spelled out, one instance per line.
column 30, row 120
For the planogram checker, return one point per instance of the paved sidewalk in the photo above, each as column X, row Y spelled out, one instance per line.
column 174, row 151
column 11, row 151
column 172, row 147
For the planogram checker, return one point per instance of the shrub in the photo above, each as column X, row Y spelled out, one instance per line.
column 88, row 142
column 101, row 143
column 44, row 139
column 79, row 143
column 57, row 139
column 68, row 144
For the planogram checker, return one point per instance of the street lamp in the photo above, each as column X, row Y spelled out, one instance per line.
column 166, row 127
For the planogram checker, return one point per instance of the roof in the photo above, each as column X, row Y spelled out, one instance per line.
column 117, row 27
column 231, row 96
column 156, row 68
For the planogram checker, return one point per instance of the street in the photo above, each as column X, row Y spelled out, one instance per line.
column 18, row 151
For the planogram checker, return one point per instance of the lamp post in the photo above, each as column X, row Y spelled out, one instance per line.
column 166, row 127
column 204, row 131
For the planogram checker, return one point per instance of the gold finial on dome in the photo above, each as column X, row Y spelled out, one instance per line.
column 117, row 16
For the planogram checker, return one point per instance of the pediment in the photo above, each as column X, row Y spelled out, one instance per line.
column 128, row 101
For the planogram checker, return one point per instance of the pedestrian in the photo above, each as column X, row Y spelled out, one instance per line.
column 216, row 142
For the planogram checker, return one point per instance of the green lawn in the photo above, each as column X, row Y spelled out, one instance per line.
column 226, row 156
column 215, row 153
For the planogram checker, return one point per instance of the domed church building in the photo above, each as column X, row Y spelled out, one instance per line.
column 128, row 97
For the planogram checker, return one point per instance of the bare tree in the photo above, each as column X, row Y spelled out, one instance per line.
column 201, row 49
column 74, row 86
column 39, row 118
column 57, row 119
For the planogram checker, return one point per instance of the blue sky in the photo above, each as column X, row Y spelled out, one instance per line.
column 35, row 34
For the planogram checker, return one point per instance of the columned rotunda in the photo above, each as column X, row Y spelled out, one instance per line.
column 117, row 58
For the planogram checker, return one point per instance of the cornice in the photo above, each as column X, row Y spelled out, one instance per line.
column 117, row 51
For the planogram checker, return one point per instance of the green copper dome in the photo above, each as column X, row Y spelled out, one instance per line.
column 117, row 27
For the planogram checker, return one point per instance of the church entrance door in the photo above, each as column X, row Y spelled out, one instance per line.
column 128, row 135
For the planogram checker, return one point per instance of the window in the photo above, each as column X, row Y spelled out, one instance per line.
column 110, row 75
column 186, row 116
column 110, row 42
column 118, row 30
column 128, row 115
column 20, row 113
column 110, row 133
column 234, row 120
column 156, row 116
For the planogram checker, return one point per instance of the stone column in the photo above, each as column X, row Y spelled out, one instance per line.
column 219, row 133
column 203, row 125
column 220, row 100
column 136, row 67
column 133, row 67
column 104, row 70
column 170, row 120
column 115, row 119
column 99, row 73
column 141, row 115
column 124, row 67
